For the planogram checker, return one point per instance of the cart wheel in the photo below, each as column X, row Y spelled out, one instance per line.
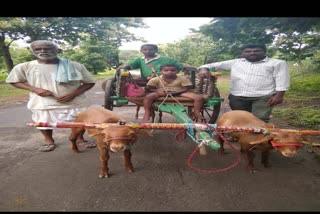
column 211, row 113
column 108, row 92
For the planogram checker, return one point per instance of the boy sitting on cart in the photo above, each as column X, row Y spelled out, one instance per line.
column 170, row 84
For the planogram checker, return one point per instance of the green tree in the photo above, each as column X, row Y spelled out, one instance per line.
column 196, row 50
column 113, row 30
column 291, row 35
column 231, row 33
column 95, row 55
column 298, row 38
column 127, row 55
column 193, row 49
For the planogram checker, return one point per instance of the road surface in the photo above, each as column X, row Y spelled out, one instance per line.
column 63, row 181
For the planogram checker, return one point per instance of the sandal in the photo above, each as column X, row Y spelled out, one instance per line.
column 47, row 147
column 87, row 145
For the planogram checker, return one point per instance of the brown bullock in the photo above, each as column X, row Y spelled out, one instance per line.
column 114, row 138
column 285, row 143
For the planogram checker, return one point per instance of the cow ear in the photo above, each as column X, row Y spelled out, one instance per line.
column 265, row 139
column 132, row 132
column 94, row 132
column 143, row 132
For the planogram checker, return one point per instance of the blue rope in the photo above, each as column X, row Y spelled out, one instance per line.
column 210, row 129
column 190, row 131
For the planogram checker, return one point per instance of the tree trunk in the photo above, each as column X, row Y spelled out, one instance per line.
column 6, row 53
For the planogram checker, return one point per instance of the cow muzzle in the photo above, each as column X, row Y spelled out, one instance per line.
column 119, row 144
column 287, row 149
column 118, row 147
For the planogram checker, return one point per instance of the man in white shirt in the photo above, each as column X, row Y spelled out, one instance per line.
column 56, row 87
column 257, row 82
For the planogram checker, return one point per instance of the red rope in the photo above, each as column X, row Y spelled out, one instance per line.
column 217, row 170
column 181, row 135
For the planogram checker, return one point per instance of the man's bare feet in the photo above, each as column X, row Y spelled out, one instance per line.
column 146, row 117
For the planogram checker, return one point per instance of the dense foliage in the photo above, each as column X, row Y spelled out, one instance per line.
column 66, row 30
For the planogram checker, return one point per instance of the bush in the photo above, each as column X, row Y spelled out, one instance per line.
column 3, row 76
column 305, row 80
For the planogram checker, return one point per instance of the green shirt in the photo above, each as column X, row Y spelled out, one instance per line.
column 142, row 64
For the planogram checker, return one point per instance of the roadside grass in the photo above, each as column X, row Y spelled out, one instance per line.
column 7, row 90
column 302, row 101
column 223, row 85
column 3, row 76
column 303, row 117
column 106, row 74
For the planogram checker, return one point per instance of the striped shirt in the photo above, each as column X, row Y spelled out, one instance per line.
column 255, row 79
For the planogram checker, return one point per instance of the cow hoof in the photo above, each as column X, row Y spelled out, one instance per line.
column 254, row 170
column 103, row 176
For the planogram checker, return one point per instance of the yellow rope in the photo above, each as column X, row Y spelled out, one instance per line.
column 165, row 88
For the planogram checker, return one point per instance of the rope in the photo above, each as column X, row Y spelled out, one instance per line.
column 167, row 95
column 181, row 133
column 190, row 131
column 165, row 88
column 244, row 129
column 189, row 161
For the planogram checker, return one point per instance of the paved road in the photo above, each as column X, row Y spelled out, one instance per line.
column 163, row 181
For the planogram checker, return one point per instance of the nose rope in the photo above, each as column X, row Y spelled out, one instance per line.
column 131, row 139
column 285, row 144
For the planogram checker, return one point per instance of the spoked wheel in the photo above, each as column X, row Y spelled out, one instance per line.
column 211, row 113
column 208, row 87
column 109, row 90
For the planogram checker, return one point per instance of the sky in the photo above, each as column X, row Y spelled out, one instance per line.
column 165, row 30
